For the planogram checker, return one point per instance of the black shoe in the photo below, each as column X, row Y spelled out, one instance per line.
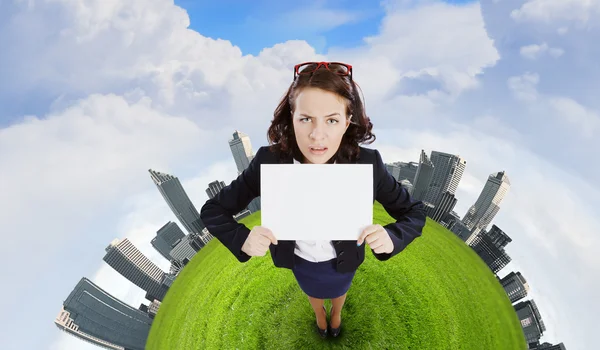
column 334, row 331
column 323, row 332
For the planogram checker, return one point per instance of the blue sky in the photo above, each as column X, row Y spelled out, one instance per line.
column 247, row 24
column 94, row 93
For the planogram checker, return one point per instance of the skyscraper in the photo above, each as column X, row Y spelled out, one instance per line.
column 548, row 346
column 214, row 188
column 487, row 205
column 490, row 247
column 127, row 260
column 179, row 202
column 166, row 238
column 183, row 250
column 422, row 177
column 403, row 171
column 516, row 286
column 447, row 173
column 531, row 321
column 241, row 149
column 444, row 207
column 93, row 315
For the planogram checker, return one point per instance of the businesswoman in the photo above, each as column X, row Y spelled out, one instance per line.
column 320, row 120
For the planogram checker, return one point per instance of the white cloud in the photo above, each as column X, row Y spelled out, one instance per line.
column 524, row 86
column 584, row 11
column 534, row 51
column 584, row 120
column 456, row 50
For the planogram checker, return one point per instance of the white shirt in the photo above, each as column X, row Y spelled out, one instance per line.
column 314, row 251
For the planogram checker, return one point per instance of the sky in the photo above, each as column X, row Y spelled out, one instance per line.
column 94, row 93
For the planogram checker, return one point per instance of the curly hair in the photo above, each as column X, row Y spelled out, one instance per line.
column 281, row 134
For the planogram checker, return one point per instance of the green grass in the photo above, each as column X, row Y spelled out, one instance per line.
column 436, row 294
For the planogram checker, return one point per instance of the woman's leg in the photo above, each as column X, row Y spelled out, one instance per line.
column 317, row 305
column 336, row 311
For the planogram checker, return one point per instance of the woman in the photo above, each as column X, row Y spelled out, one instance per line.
column 320, row 120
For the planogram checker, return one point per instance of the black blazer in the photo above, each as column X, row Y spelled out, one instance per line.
column 217, row 213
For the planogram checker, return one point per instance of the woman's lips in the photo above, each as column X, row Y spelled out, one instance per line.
column 317, row 151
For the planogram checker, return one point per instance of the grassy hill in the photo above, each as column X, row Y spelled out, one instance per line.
column 436, row 294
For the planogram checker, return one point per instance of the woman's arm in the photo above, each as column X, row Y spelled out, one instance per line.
column 409, row 214
column 217, row 213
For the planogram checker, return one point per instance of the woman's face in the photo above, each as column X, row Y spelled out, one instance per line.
column 319, row 121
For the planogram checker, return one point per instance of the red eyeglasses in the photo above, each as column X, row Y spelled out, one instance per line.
column 338, row 68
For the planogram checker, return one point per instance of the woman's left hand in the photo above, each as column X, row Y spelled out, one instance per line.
column 378, row 238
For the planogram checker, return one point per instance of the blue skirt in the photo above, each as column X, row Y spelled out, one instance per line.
column 320, row 279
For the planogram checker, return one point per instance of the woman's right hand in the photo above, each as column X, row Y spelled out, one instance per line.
column 258, row 241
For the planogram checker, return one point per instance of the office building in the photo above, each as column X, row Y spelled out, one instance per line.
column 91, row 314
column 490, row 247
column 183, row 251
column 126, row 259
column 153, row 308
column 531, row 321
column 444, row 207
column 214, row 188
column 515, row 285
column 447, row 173
column 166, row 238
column 460, row 230
column 487, row 205
column 450, row 219
column 403, row 171
column 241, row 149
column 422, row 177
column 179, row 202
column 548, row 346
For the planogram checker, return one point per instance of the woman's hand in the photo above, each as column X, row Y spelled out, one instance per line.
column 378, row 238
column 258, row 241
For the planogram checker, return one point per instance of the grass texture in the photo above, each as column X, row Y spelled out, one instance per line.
column 436, row 294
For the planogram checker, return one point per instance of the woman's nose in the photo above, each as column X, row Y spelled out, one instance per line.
column 317, row 133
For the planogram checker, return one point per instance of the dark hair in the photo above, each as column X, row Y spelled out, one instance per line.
column 281, row 135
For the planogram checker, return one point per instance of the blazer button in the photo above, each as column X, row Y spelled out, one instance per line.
column 341, row 253
column 340, row 262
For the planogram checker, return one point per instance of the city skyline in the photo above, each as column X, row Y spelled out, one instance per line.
column 489, row 245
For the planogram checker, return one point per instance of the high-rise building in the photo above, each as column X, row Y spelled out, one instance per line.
column 444, row 207
column 490, row 247
column 531, row 321
column 241, row 149
column 153, row 308
column 548, row 346
column 93, row 315
column 179, row 202
column 481, row 213
column 447, row 173
column 460, row 230
column 403, row 171
column 166, row 238
column 183, row 251
column 127, row 260
column 515, row 285
column 450, row 220
column 214, row 188
column 422, row 177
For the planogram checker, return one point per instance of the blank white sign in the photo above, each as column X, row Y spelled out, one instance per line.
column 316, row 201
